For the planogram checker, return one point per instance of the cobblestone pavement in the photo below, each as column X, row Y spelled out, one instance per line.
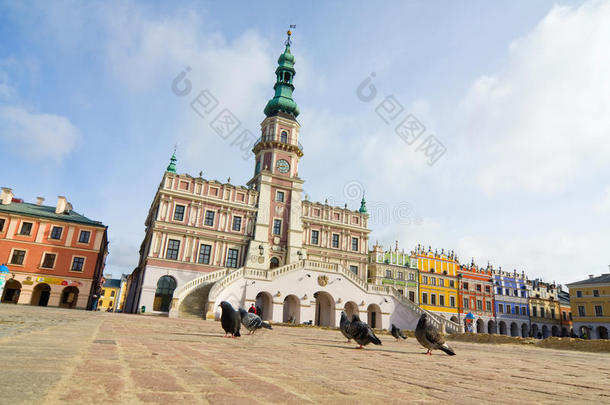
column 53, row 356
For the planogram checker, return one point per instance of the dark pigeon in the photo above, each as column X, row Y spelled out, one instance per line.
column 362, row 333
column 251, row 321
column 344, row 326
column 429, row 337
column 230, row 319
column 397, row 333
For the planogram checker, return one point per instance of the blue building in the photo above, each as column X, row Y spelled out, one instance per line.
column 511, row 304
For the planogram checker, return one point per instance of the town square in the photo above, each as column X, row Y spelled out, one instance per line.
column 285, row 213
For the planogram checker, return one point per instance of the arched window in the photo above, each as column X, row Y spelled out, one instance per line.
column 274, row 262
column 284, row 137
column 165, row 291
column 286, row 77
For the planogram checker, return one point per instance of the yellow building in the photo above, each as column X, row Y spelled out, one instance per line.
column 438, row 286
column 545, row 312
column 590, row 302
column 109, row 295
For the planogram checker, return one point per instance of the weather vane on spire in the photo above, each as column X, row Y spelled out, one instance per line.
column 288, row 42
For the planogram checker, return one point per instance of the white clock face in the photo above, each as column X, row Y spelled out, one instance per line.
column 283, row 166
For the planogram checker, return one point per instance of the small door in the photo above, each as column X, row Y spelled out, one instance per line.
column 44, row 298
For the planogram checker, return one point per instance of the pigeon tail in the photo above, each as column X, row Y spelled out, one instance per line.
column 266, row 325
column 447, row 350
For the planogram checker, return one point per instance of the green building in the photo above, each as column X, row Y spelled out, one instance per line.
column 394, row 268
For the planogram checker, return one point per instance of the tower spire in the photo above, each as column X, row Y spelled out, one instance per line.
column 172, row 162
column 282, row 100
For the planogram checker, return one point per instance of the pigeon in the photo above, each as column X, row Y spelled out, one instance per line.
column 362, row 333
column 397, row 333
column 428, row 336
column 251, row 321
column 229, row 319
column 344, row 326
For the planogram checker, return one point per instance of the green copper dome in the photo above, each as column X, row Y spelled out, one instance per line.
column 172, row 164
column 362, row 206
column 282, row 101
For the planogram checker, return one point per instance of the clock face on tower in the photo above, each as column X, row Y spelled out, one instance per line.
column 283, row 166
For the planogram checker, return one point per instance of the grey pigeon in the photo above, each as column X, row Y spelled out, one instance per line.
column 397, row 333
column 362, row 333
column 428, row 336
column 344, row 326
column 251, row 321
column 230, row 319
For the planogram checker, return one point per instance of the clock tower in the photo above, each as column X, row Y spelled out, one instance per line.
column 278, row 235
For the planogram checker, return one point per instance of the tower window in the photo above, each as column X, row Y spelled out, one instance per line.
column 277, row 226
column 284, row 137
column 286, row 77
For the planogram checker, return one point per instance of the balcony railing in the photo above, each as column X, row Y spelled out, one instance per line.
column 270, row 138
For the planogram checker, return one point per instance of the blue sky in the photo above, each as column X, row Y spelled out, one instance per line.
column 516, row 91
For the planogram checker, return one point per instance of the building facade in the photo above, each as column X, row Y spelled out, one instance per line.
column 565, row 318
column 394, row 268
column 590, row 303
column 475, row 297
column 109, row 295
column 55, row 255
column 511, row 296
column 438, row 290
column 544, row 309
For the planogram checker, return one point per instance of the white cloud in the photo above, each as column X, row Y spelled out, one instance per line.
column 544, row 120
column 37, row 136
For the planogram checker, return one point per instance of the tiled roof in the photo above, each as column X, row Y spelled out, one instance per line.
column 113, row 283
column 43, row 211
column 603, row 279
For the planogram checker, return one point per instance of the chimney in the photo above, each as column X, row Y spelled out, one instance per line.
column 591, row 275
column 6, row 196
column 61, row 204
column 39, row 200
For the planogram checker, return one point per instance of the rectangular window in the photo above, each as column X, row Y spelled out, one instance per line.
column 354, row 269
column 112, row 293
column 335, row 240
column 488, row 306
column 441, row 300
column 26, row 228
column 355, row 244
column 564, row 316
column 516, row 293
column 487, row 289
column 388, row 274
column 204, row 253
column 579, row 294
column 173, row 247
column 465, row 286
column 553, row 313
column 507, row 292
column 466, row 303
column 534, row 312
column 277, row 226
column 18, row 257
column 232, row 258
column 479, row 287
column 599, row 311
column 581, row 310
column 412, row 296
column 279, row 196
column 401, row 275
column 236, row 224
column 501, row 308
column 424, row 298
column 84, row 236
column 432, row 281
column 209, row 218
column 103, row 292
column 49, row 260
column 542, row 312
column 77, row 264
column 56, row 232
column 452, row 283
column 523, row 294
column 314, row 237
column 2, row 220
column 452, row 301
column 523, row 311
column 179, row 213
column 507, row 309
column 479, row 305
column 596, row 293
column 411, row 277
column 499, row 290
column 433, row 299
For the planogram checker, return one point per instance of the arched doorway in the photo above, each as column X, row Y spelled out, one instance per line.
column 480, row 326
column 374, row 316
column 274, row 262
column 535, row 331
column 325, row 309
column 564, row 332
column 502, row 326
column 351, row 309
column 40, row 295
column 69, row 296
column 12, row 290
column 164, row 294
column 524, row 330
column 555, row 331
column 545, row 331
column 491, row 327
column 291, row 310
column 514, row 329
column 602, row 332
column 585, row 332
column 264, row 305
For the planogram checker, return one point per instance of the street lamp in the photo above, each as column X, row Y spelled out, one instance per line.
column 261, row 249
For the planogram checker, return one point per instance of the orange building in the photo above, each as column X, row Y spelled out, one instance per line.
column 55, row 255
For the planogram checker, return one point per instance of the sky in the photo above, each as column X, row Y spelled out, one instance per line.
column 506, row 106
